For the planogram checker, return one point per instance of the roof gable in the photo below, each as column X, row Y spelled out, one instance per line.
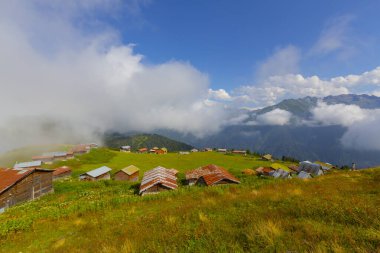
column 130, row 170
column 98, row 172
column 158, row 175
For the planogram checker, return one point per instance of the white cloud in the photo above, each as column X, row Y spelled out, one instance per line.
column 276, row 117
column 339, row 114
column 362, row 124
column 277, row 88
column 335, row 37
column 364, row 135
column 219, row 94
column 84, row 83
column 283, row 61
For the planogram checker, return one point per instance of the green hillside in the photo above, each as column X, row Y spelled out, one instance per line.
column 115, row 140
column 338, row 212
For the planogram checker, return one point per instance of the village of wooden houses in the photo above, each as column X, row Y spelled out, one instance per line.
column 29, row 180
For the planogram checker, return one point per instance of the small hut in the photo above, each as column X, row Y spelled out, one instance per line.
column 210, row 175
column 62, row 172
column 142, row 150
column 18, row 186
column 130, row 173
column 102, row 173
column 157, row 180
column 265, row 171
column 126, row 149
column 239, row 152
column 267, row 157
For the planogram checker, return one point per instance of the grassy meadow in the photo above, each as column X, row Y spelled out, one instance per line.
column 338, row 212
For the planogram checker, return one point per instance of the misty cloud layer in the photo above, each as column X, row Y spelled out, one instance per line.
column 84, row 84
column 67, row 77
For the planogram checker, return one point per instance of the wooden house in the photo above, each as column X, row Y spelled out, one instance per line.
column 62, row 172
column 265, row 171
column 267, row 157
column 239, row 152
column 312, row 168
column 44, row 159
column 57, row 156
column 221, row 150
column 70, row 155
column 210, row 175
column 157, row 180
column 102, row 173
column 17, row 186
column 80, row 149
column 28, row 165
column 126, row 149
column 142, row 150
column 130, row 173
column 159, row 152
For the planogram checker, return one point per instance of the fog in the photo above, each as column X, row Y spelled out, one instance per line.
column 61, row 84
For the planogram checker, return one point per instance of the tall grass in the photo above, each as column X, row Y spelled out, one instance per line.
column 335, row 213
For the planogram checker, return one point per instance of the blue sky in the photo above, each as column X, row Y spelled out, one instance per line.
column 143, row 65
column 230, row 39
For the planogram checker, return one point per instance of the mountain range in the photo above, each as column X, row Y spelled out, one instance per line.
column 301, row 141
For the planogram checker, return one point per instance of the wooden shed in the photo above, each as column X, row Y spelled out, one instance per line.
column 17, row 186
column 130, row 173
column 126, row 149
column 44, row 159
column 102, row 173
column 239, row 152
column 210, row 175
column 267, row 157
column 157, row 180
column 62, row 172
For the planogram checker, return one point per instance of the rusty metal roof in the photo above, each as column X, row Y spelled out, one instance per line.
column 61, row 170
column 158, row 175
column 215, row 178
column 9, row 177
column 213, row 174
column 264, row 170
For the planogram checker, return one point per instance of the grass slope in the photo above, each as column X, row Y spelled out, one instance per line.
column 137, row 141
column 338, row 212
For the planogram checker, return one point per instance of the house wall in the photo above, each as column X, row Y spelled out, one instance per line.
column 33, row 186
column 121, row 176
column 105, row 176
column 191, row 181
column 155, row 189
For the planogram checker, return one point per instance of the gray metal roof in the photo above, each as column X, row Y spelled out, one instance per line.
column 28, row 164
column 304, row 174
column 99, row 171
column 55, row 154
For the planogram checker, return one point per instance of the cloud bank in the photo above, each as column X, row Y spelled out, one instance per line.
column 60, row 84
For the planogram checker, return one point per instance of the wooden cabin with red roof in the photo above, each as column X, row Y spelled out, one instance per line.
column 210, row 175
column 20, row 185
column 62, row 172
column 157, row 180
column 142, row 150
